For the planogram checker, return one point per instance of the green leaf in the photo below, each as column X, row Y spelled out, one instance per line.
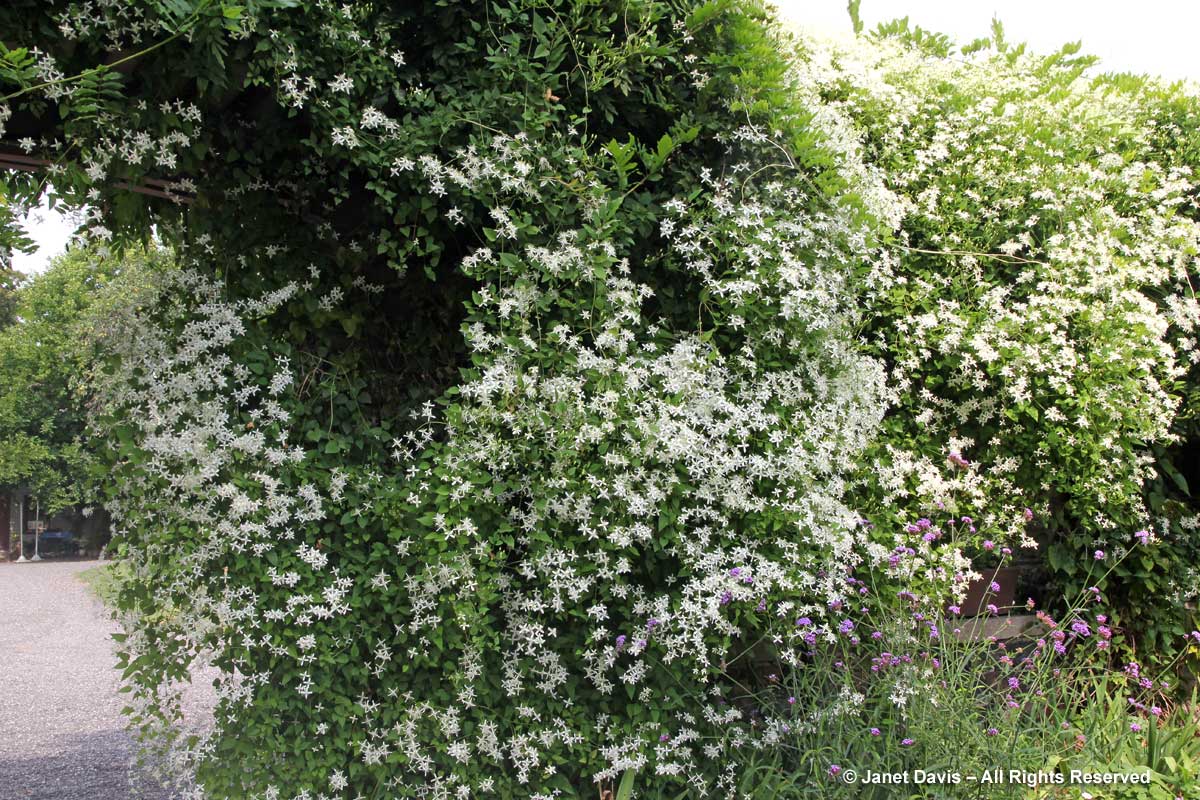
column 625, row 789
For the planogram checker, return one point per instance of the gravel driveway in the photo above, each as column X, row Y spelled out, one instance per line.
column 62, row 736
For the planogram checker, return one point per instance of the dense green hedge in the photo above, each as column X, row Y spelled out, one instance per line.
column 545, row 386
column 1036, row 309
column 504, row 400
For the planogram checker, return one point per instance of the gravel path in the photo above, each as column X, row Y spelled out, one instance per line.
column 62, row 736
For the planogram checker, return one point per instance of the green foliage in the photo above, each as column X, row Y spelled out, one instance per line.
column 930, row 42
column 932, row 698
column 511, row 403
column 13, row 237
column 476, row 365
column 1039, row 317
column 104, row 581
column 45, row 354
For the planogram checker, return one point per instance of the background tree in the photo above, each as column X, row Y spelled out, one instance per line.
column 46, row 354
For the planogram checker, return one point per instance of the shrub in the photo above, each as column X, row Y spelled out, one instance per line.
column 510, row 403
column 1034, row 309
column 522, row 570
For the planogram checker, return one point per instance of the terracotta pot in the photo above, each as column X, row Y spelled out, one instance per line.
column 979, row 594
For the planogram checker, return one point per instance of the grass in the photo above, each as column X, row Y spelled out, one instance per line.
column 102, row 581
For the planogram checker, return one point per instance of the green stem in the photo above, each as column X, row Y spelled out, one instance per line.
column 96, row 70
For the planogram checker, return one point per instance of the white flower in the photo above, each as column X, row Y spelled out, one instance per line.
column 341, row 83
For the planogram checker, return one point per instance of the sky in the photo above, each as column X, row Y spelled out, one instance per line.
column 50, row 230
column 1155, row 36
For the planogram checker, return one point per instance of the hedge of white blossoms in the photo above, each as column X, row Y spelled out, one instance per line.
column 607, row 509
column 1038, row 312
column 557, row 573
column 573, row 563
column 1038, row 304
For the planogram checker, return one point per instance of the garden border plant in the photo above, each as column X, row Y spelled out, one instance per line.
column 1037, row 309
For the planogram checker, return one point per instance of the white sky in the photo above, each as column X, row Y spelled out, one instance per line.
column 1155, row 36
column 50, row 230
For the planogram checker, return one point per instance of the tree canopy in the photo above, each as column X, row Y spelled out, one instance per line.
column 46, row 355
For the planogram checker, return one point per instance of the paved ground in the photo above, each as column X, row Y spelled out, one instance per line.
column 62, row 736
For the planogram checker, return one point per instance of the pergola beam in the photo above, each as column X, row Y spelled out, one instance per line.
column 152, row 187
